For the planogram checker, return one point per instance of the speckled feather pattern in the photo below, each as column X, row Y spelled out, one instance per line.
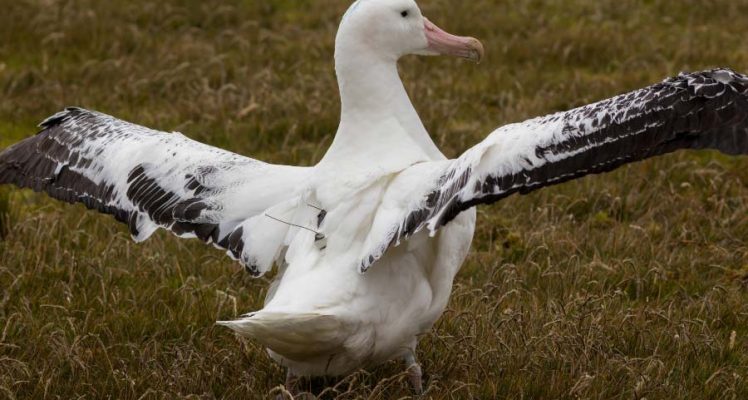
column 148, row 179
column 703, row 110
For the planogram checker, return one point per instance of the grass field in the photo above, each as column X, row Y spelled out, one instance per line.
column 630, row 285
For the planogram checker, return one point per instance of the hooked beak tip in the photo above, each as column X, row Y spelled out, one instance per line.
column 442, row 42
column 477, row 50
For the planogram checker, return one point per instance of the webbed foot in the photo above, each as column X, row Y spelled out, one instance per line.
column 415, row 375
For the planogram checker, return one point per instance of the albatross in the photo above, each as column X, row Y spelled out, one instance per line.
column 368, row 241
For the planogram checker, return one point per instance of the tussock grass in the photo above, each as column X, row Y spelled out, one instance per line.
column 627, row 285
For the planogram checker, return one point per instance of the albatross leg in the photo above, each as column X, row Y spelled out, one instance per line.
column 415, row 376
column 291, row 387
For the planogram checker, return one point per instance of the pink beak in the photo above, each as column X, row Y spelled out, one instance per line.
column 441, row 42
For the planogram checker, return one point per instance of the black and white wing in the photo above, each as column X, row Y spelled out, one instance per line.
column 705, row 110
column 149, row 180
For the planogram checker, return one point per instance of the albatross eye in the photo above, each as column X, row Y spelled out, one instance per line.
column 404, row 14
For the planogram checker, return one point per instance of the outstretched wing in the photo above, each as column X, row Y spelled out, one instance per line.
column 149, row 180
column 705, row 110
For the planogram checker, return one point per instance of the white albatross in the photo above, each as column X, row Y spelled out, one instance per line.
column 368, row 241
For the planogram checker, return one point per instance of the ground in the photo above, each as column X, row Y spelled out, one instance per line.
column 625, row 285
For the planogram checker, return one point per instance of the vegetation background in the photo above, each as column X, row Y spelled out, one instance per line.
column 627, row 285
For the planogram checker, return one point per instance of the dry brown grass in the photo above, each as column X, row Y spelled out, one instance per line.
column 628, row 285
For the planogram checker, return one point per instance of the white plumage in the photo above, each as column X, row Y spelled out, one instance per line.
column 368, row 241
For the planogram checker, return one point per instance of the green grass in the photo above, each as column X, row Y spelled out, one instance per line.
column 627, row 285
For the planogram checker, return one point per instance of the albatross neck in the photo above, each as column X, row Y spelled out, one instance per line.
column 378, row 122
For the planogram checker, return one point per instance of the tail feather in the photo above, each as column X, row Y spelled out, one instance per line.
column 295, row 336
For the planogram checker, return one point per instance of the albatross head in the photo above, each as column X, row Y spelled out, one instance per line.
column 377, row 118
column 391, row 29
